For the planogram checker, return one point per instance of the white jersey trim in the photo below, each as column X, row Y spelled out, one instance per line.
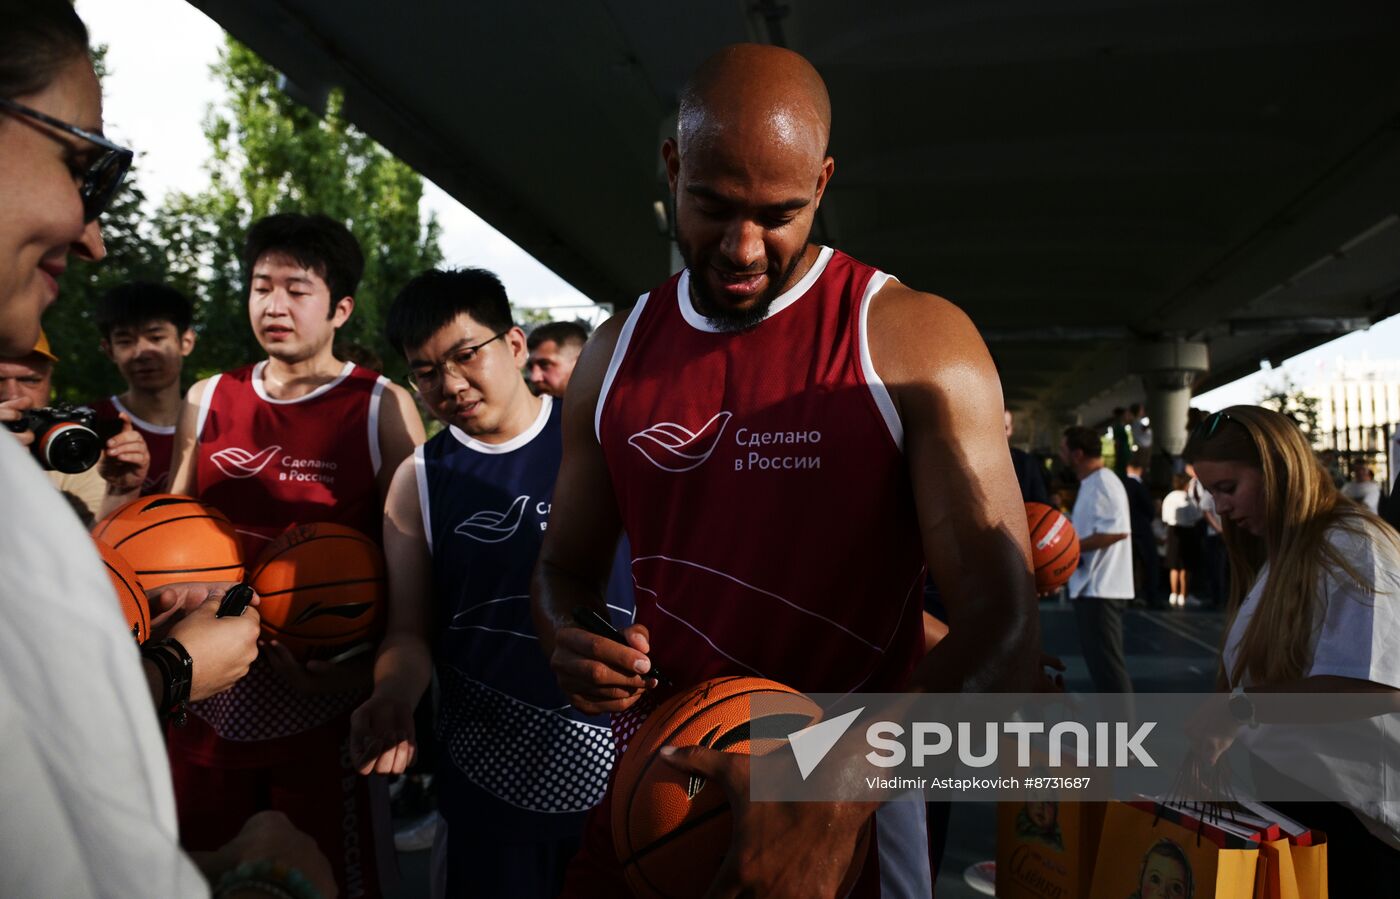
column 786, row 299
column 324, row 388
column 867, row 365
column 376, row 397
column 514, row 443
column 204, row 403
column 141, row 423
column 624, row 339
column 901, row 836
column 420, row 474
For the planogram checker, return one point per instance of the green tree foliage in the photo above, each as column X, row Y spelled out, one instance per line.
column 83, row 373
column 271, row 154
column 268, row 154
column 1288, row 398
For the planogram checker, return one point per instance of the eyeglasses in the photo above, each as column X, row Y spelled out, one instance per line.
column 429, row 379
column 102, row 177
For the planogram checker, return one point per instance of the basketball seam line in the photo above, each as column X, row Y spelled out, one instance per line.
column 357, row 537
column 363, row 580
column 157, row 524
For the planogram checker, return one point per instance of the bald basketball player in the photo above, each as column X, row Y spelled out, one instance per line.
column 788, row 436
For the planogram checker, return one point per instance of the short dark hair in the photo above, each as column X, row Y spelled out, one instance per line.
column 38, row 39
column 137, row 302
column 433, row 299
column 1086, row 440
column 317, row 242
column 562, row 333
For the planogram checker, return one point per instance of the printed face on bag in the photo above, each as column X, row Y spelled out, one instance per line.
column 1164, row 877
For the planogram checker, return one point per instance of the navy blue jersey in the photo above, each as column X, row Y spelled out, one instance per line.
column 517, row 757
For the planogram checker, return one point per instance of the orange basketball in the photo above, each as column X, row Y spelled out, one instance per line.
column 1054, row 546
column 671, row 831
column 169, row 539
column 129, row 591
column 322, row 588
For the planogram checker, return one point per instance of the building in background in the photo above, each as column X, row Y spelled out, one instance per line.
column 1359, row 412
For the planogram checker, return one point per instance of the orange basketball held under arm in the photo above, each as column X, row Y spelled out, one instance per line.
column 322, row 589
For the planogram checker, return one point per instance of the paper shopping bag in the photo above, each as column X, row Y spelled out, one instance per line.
column 1145, row 852
column 1046, row 850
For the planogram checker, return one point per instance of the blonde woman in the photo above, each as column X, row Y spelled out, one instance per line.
column 1314, row 608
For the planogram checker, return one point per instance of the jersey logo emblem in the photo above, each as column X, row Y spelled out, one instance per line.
column 675, row 448
column 237, row 462
column 487, row 526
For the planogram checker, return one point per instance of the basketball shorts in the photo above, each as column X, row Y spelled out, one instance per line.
column 345, row 812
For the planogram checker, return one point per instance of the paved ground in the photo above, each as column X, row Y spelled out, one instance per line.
column 1168, row 652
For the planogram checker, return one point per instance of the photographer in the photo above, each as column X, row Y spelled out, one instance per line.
column 26, row 383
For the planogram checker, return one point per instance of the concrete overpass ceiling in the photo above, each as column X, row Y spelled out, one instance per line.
column 1149, row 168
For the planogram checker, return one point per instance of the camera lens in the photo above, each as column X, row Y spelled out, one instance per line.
column 71, row 448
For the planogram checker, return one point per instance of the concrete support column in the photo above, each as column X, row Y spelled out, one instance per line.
column 1168, row 369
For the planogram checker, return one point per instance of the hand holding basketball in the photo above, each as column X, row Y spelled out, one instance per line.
column 797, row 849
column 173, row 601
column 222, row 648
column 382, row 738
column 600, row 675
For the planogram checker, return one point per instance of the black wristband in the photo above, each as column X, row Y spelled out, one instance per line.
column 176, row 673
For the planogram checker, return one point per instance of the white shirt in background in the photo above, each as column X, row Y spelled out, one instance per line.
column 1179, row 511
column 1367, row 493
column 86, row 804
column 1102, row 508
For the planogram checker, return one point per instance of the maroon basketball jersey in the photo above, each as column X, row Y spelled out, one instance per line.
column 761, row 480
column 268, row 464
column 160, row 441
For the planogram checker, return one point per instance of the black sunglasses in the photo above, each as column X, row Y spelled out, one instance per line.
column 103, row 177
column 1207, row 428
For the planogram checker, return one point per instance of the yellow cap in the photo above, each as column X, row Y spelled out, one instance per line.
column 42, row 347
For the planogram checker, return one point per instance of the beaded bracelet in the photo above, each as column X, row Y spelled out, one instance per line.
column 269, row 878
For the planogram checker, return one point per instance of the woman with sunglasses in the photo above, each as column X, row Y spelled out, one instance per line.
column 1314, row 608
column 88, row 808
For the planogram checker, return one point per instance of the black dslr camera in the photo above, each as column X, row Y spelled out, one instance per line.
column 66, row 438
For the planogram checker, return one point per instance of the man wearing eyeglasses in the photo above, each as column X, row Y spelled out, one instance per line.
column 463, row 524
column 299, row 437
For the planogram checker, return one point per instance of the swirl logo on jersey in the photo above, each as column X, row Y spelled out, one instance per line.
column 673, row 447
column 237, row 462
column 488, row 526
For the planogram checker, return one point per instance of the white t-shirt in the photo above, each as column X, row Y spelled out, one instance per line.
column 86, row 805
column 1367, row 493
column 1357, row 636
column 1102, row 508
column 1179, row 511
column 1142, row 434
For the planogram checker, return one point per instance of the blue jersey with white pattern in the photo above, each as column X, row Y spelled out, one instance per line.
column 516, row 756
